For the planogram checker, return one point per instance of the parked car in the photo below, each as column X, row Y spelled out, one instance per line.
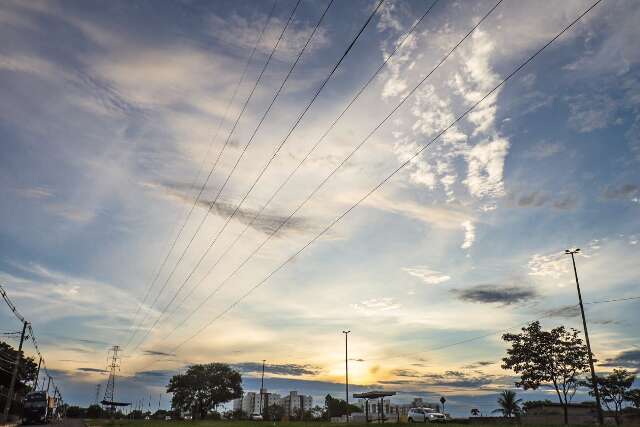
column 425, row 415
column 256, row 416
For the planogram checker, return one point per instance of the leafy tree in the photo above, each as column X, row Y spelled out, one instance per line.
column 26, row 372
column 338, row 407
column 275, row 412
column 475, row 412
column 509, row 405
column 203, row 387
column 553, row 357
column 76, row 412
column 614, row 389
column 633, row 396
column 95, row 411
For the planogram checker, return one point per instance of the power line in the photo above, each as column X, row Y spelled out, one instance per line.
column 240, row 114
column 404, row 164
column 31, row 335
column 398, row 45
column 255, row 131
column 317, row 188
column 197, row 178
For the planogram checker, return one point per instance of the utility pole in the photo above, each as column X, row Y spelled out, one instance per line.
column 594, row 379
column 48, row 385
column 35, row 382
column 159, row 401
column 14, row 374
column 262, row 390
column 346, row 368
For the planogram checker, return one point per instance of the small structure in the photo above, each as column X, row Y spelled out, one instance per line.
column 380, row 406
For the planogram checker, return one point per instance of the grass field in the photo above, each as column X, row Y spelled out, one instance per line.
column 211, row 423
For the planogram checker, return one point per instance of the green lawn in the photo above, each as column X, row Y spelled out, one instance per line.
column 211, row 423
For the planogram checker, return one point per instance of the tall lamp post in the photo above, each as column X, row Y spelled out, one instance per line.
column 262, row 407
column 594, row 380
column 346, row 368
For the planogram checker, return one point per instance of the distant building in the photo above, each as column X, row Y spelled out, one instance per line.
column 246, row 403
column 255, row 402
column 296, row 404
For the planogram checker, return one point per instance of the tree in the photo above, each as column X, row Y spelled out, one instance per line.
column 442, row 400
column 553, row 357
column 276, row 412
column 633, row 396
column 338, row 407
column 95, row 411
column 614, row 389
column 509, row 405
column 76, row 412
column 203, row 387
column 475, row 412
column 25, row 378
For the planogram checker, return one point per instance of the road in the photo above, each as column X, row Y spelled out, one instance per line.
column 67, row 422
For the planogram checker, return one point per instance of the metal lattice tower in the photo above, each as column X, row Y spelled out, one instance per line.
column 98, row 387
column 113, row 367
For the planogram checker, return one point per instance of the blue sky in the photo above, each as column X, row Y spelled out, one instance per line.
column 109, row 112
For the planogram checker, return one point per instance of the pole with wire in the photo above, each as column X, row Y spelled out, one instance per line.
column 594, row 378
column 346, row 368
column 14, row 374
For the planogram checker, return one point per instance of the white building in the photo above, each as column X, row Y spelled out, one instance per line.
column 296, row 404
column 255, row 403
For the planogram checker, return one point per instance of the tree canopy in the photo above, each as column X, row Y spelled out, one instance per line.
column 26, row 373
column 202, row 387
column 554, row 357
column 614, row 389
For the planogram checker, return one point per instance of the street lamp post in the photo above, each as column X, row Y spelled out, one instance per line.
column 346, row 368
column 594, row 380
column 262, row 407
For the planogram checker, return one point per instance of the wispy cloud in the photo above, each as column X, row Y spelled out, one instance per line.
column 290, row 369
column 428, row 276
column 495, row 294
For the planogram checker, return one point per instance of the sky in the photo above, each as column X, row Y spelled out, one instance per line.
column 112, row 116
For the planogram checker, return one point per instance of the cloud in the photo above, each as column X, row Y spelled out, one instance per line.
column 291, row 369
column 242, row 32
column 535, row 199
column 158, row 353
column 450, row 378
column 506, row 295
column 479, row 364
column 554, row 266
column 626, row 359
column 486, row 167
column 265, row 223
column 92, row 370
column 427, row 275
column 469, row 234
column 588, row 113
column 543, row 150
column 376, row 306
column 440, row 216
column 566, row 312
column 625, row 191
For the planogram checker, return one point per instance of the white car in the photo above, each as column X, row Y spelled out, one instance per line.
column 425, row 415
column 256, row 416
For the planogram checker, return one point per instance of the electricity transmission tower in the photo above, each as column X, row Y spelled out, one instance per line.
column 98, row 387
column 113, row 367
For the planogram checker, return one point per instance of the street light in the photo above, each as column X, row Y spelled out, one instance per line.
column 346, row 368
column 594, row 380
